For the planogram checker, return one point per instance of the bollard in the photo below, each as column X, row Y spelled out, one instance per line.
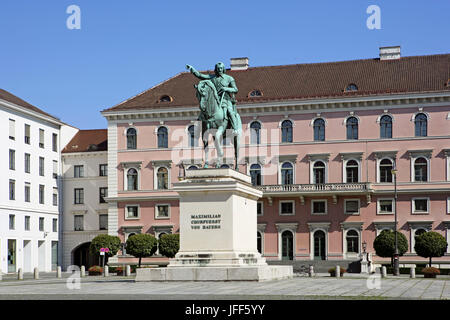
column 383, row 272
column 36, row 273
column 106, row 271
column 338, row 271
column 20, row 274
column 311, row 271
column 82, row 272
column 412, row 272
column 128, row 270
column 58, row 272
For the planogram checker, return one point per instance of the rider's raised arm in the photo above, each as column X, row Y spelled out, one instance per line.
column 198, row 74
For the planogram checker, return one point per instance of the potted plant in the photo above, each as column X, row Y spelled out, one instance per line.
column 95, row 271
column 430, row 272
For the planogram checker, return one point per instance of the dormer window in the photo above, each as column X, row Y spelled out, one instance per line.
column 165, row 99
column 255, row 93
column 351, row 88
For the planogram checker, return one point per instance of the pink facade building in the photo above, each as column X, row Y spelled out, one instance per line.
column 320, row 140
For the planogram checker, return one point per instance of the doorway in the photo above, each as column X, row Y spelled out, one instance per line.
column 287, row 246
column 27, row 256
column 82, row 257
column 319, row 245
column 12, row 256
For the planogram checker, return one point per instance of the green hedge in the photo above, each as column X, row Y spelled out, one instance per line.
column 390, row 270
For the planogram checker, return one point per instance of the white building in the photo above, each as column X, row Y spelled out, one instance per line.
column 30, row 142
column 85, row 212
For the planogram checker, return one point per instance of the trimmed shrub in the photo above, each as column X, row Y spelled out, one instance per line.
column 430, row 244
column 141, row 246
column 105, row 241
column 169, row 244
column 95, row 271
column 332, row 271
column 430, row 272
column 384, row 244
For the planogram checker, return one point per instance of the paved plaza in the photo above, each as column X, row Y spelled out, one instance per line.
column 320, row 287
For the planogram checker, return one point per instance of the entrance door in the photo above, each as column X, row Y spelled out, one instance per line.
column 54, row 255
column 27, row 256
column 287, row 248
column 12, row 256
column 82, row 256
column 319, row 245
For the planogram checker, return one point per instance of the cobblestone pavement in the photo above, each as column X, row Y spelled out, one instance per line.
column 321, row 287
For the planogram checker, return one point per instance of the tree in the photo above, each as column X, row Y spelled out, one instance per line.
column 169, row 244
column 142, row 245
column 384, row 244
column 105, row 241
column 430, row 244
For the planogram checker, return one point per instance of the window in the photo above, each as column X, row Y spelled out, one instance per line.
column 78, row 171
column 352, row 241
column 386, row 170
column 78, row 196
column 162, row 211
column 255, row 93
column 351, row 87
column 192, row 168
column 41, row 166
column 103, row 191
column 54, row 142
column 352, row 169
column 27, row 223
column 351, row 206
column 55, row 225
column 27, row 192
column 286, row 131
column 162, row 178
column 103, row 170
column 27, row 134
column 421, row 170
column 27, row 162
column 287, row 208
column 259, row 209
column 352, row 128
column 420, row 205
column 163, row 137
column 103, row 222
column 12, row 222
column 55, row 169
column 319, row 130
column 287, row 173
column 131, row 138
column 191, row 136
column 41, row 138
column 319, row 206
column 41, row 193
column 41, row 224
column 78, row 223
column 319, row 172
column 385, row 127
column 448, row 205
column 420, row 125
column 55, row 197
column 132, row 179
column 12, row 129
column 12, row 159
column 132, row 212
column 165, row 99
column 255, row 174
column 255, row 132
column 386, row 206
column 224, row 166
column 259, row 241
column 12, row 189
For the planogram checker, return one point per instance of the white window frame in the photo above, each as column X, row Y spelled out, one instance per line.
column 347, row 254
column 279, row 171
column 312, row 207
column 168, row 211
column 155, row 177
column 311, row 170
column 413, row 207
column 281, row 129
column 196, row 135
column 250, row 133
column 413, row 161
column 126, row 137
column 385, row 213
column 378, row 169
column 352, row 213
column 138, row 212
column 125, row 178
column 291, row 227
column 262, row 208
column 168, row 137
column 316, row 226
column 448, row 206
column 286, row 201
column 344, row 170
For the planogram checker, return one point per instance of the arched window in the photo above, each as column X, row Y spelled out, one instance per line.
column 163, row 178
column 163, row 137
column 420, row 169
column 191, row 136
column 132, row 179
column 255, row 93
column 255, row 174
column 385, row 170
column 287, row 246
column 352, row 169
column 287, row 173
column 259, row 241
column 224, row 166
column 351, row 87
column 319, row 172
column 319, row 130
column 192, row 168
column 165, row 99
column 385, row 127
column 255, row 132
column 131, row 138
column 286, row 131
column 420, row 123
column 352, row 241
column 352, row 128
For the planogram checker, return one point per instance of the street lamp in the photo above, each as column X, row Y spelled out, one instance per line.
column 364, row 245
column 396, row 254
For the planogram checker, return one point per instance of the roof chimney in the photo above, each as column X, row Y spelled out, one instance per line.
column 239, row 63
column 390, row 53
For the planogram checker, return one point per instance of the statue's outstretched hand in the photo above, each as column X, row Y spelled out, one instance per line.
column 189, row 67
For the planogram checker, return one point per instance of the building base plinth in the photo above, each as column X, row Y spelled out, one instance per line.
column 253, row 273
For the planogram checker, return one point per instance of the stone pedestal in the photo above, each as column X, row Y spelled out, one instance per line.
column 218, row 227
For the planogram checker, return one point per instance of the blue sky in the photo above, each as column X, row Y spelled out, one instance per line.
column 126, row 47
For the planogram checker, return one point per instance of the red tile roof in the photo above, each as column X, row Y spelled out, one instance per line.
column 88, row 141
column 306, row 81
